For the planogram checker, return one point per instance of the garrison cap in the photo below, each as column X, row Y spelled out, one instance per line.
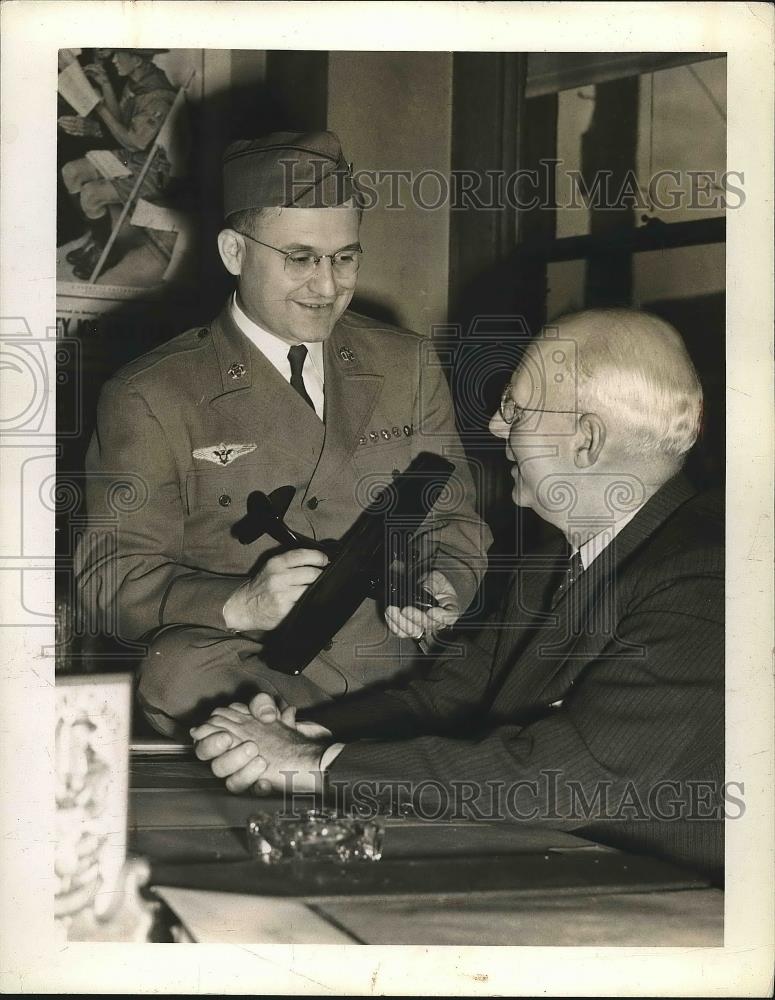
column 286, row 170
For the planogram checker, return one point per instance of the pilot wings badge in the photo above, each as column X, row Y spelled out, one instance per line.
column 223, row 454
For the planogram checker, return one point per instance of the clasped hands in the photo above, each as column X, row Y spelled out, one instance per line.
column 262, row 602
column 261, row 746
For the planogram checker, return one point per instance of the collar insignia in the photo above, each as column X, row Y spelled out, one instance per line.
column 237, row 370
column 223, row 454
column 346, row 354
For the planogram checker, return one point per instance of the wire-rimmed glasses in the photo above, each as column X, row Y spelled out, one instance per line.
column 512, row 413
column 303, row 263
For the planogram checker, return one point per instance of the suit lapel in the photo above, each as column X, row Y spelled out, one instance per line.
column 651, row 517
column 351, row 391
column 586, row 615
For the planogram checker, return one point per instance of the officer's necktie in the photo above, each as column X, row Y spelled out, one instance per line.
column 573, row 571
column 297, row 356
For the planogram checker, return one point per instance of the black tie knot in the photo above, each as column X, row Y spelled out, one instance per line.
column 297, row 355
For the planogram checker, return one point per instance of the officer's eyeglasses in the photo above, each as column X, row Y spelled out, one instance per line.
column 513, row 414
column 303, row 263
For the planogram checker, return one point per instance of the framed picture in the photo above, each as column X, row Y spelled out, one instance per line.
column 91, row 789
column 124, row 204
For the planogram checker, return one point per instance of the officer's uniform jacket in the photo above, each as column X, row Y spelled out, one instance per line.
column 186, row 432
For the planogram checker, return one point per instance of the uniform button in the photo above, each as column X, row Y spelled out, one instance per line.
column 328, row 645
column 203, row 333
column 396, row 472
column 312, row 503
column 224, row 499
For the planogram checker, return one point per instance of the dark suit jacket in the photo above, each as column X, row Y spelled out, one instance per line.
column 186, row 432
column 616, row 691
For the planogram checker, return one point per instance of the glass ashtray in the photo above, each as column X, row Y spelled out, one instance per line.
column 313, row 835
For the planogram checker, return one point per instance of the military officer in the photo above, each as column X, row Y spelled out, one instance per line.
column 285, row 388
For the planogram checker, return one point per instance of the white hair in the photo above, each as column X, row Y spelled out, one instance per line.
column 633, row 368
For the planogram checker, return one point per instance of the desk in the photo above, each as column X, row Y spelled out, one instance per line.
column 450, row 883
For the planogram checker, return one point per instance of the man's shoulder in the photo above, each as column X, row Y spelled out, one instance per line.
column 688, row 545
column 385, row 347
column 363, row 327
column 695, row 526
column 177, row 358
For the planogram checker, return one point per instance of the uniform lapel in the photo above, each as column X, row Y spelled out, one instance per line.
column 352, row 388
column 254, row 396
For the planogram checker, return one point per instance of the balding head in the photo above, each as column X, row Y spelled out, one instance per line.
column 633, row 370
column 606, row 395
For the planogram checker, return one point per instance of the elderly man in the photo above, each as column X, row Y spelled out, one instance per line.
column 289, row 393
column 593, row 702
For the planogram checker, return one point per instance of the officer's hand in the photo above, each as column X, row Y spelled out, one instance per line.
column 74, row 125
column 263, row 602
column 414, row 623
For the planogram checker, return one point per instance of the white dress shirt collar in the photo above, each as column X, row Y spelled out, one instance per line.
column 276, row 352
column 591, row 549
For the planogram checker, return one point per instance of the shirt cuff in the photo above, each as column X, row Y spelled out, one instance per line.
column 329, row 756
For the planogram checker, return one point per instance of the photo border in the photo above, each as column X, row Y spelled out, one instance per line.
column 32, row 33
